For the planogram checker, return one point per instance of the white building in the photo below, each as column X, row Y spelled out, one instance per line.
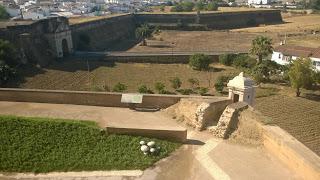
column 284, row 54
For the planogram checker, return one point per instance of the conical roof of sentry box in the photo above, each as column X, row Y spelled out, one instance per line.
column 240, row 82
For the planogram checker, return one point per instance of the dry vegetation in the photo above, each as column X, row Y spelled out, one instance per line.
column 213, row 41
column 297, row 30
column 298, row 116
column 73, row 75
column 80, row 19
column 292, row 24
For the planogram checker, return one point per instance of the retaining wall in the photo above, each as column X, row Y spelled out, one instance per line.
column 292, row 152
column 105, row 32
column 164, row 59
column 87, row 98
column 287, row 148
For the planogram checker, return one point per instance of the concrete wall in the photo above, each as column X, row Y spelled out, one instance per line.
column 87, row 98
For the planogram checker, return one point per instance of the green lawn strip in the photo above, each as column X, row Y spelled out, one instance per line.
column 45, row 145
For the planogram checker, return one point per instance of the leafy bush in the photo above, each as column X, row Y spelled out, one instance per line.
column 219, row 86
column 263, row 71
column 200, row 6
column 185, row 91
column 175, row 83
column 203, row 91
column 244, row 61
column 44, row 145
column 3, row 13
column 300, row 74
column 183, row 7
column 144, row 90
column 162, row 8
column 194, row 82
column 160, row 87
column 227, row 59
column 8, row 54
column 212, row 6
column 119, row 87
column 199, row 62
column 6, row 73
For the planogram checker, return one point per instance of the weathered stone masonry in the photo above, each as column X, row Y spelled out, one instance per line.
column 42, row 41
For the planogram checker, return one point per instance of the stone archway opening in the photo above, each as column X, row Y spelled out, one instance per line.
column 65, row 48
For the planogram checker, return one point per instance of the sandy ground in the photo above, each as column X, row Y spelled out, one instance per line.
column 202, row 157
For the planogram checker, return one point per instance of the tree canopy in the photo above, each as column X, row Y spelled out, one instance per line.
column 261, row 47
column 3, row 13
column 301, row 74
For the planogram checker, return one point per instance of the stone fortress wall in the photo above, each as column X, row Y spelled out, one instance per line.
column 105, row 32
column 42, row 41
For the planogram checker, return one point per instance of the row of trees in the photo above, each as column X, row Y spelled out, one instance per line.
column 160, row 87
column 299, row 74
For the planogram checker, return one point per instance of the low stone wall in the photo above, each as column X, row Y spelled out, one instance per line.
column 292, row 152
column 282, row 145
column 87, row 98
column 164, row 59
column 172, row 135
column 199, row 113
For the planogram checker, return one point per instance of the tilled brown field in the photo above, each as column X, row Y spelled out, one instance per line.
column 298, row 116
column 74, row 75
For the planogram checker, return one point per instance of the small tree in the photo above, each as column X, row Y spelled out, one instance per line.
column 6, row 73
column 200, row 6
column 3, row 13
column 119, row 87
column 203, row 91
column 227, row 59
column 143, row 32
column 221, row 83
column 300, row 74
column 199, row 62
column 144, row 90
column 162, row 8
column 212, row 6
column 160, row 87
column 261, row 47
column 193, row 82
column 175, row 83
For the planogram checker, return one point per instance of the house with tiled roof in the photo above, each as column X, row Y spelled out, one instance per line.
column 284, row 54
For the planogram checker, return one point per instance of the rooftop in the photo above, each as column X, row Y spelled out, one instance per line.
column 299, row 51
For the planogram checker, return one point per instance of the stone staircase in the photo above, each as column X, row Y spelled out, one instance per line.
column 228, row 120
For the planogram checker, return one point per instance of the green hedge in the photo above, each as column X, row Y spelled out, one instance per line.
column 44, row 145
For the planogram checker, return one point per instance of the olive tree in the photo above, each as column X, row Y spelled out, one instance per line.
column 300, row 74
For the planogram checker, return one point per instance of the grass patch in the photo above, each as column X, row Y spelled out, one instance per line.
column 44, row 145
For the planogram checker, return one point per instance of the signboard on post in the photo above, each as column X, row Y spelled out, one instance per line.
column 132, row 98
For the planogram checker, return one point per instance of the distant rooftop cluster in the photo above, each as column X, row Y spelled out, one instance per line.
column 40, row 9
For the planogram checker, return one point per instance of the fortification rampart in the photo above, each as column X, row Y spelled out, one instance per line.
column 104, row 33
column 47, row 39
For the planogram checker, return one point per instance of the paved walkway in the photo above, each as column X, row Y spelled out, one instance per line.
column 202, row 157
